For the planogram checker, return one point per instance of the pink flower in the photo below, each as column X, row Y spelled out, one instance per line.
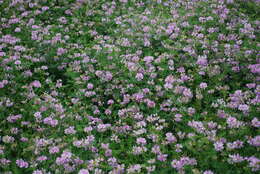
column 45, row 8
column 219, row 146
column 17, row 30
column 42, row 158
column 110, row 102
column 187, row 93
column 148, row 59
column 38, row 115
column 141, row 141
column 108, row 112
column 54, row 149
column 139, row 76
column 108, row 76
column 17, row 62
column 70, row 130
column 90, row 86
column 61, row 51
column 255, row 122
column 170, row 137
column 36, row 84
column 162, row 157
column 2, row 85
column 83, row 171
column 150, row 103
column 168, row 86
column 202, row 60
column 88, row 129
column 37, row 172
column 22, row 164
column 203, row 85
column 146, row 29
column 243, row 107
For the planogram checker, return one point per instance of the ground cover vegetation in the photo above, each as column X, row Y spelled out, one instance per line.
column 129, row 86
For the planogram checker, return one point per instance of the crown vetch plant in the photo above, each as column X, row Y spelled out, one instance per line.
column 129, row 86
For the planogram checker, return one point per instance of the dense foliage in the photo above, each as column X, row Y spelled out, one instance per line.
column 129, row 86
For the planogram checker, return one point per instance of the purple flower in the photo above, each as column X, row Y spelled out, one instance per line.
column 37, row 115
column 61, row 51
column 156, row 149
column 17, row 30
column 187, row 93
column 169, row 79
column 88, row 129
column 176, row 164
column 255, row 122
column 90, row 86
column 177, row 117
column 70, row 130
column 108, row 112
column 141, row 141
column 148, row 59
column 208, row 172
column 179, row 164
column 254, row 141
column 54, row 149
column 236, row 158
column 36, row 84
column 202, row 60
column 108, row 76
column 83, row 171
column 251, row 85
column 110, row 102
column 243, row 107
column 168, row 86
column 162, row 157
column 22, row 164
column 203, row 85
column 219, row 146
column 170, row 137
column 45, row 8
column 235, row 145
column 138, row 96
column 191, row 111
column 41, row 158
column 254, row 163
column 233, row 122
column 139, row 76
column 150, row 103
column 255, row 68
column 37, row 172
